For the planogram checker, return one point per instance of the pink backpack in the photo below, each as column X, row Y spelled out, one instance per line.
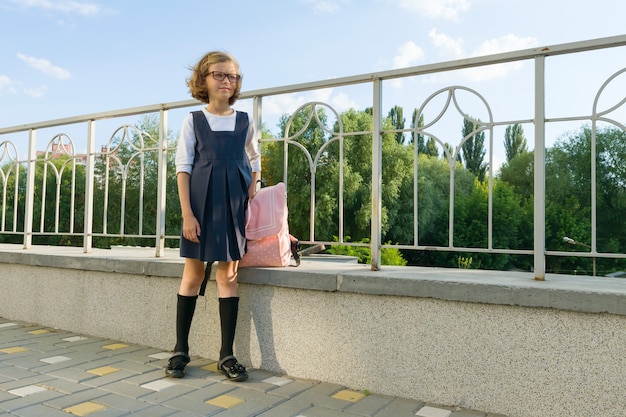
column 267, row 230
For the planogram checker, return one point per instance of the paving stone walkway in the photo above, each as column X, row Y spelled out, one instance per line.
column 54, row 373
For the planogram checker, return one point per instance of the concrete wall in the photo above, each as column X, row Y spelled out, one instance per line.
column 477, row 339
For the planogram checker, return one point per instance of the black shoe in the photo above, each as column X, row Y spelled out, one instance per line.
column 177, row 364
column 233, row 370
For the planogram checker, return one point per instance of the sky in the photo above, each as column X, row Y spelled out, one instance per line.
column 62, row 58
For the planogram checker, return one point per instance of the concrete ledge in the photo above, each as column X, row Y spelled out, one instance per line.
column 564, row 292
column 574, row 293
column 123, row 260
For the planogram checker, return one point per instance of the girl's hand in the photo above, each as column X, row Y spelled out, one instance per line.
column 252, row 190
column 191, row 229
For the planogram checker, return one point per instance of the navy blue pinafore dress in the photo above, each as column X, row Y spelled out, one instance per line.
column 220, row 178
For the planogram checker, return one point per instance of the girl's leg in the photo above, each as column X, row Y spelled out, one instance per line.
column 226, row 278
column 227, row 288
column 193, row 274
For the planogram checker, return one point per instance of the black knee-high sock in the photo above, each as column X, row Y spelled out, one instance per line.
column 184, row 314
column 229, row 307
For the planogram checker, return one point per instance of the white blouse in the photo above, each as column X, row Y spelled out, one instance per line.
column 185, row 151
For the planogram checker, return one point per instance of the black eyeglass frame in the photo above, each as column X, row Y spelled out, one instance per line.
column 219, row 76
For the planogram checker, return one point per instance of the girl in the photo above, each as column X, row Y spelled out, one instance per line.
column 218, row 165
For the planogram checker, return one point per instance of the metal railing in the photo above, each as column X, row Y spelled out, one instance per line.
column 106, row 168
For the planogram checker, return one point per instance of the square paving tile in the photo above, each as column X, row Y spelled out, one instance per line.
column 428, row 411
column 27, row 390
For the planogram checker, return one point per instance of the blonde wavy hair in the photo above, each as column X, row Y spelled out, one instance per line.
column 197, row 81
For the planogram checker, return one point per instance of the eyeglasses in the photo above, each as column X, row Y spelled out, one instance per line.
column 219, row 76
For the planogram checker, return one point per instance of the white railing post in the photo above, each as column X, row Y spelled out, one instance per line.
column 257, row 115
column 377, row 177
column 161, row 186
column 30, row 189
column 90, row 182
column 539, row 237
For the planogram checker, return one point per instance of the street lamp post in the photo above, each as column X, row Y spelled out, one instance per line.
column 573, row 242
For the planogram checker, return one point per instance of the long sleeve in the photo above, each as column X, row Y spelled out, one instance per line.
column 253, row 147
column 185, row 149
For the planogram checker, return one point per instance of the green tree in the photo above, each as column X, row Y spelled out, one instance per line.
column 357, row 170
column 471, row 225
column 58, row 213
column 431, row 148
column 420, row 138
column 518, row 173
column 611, row 186
column 514, row 141
column 473, row 149
column 55, row 208
column 568, row 197
column 149, row 126
column 396, row 171
column 126, row 186
column 306, row 132
column 397, row 121
column 12, row 192
column 358, row 151
column 434, row 176
column 450, row 150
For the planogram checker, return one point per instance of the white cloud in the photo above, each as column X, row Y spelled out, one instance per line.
column 276, row 106
column 36, row 92
column 409, row 54
column 452, row 49
column 65, row 6
column 504, row 43
column 325, row 6
column 436, row 9
column 279, row 105
column 5, row 83
column 342, row 102
column 446, row 45
column 45, row 66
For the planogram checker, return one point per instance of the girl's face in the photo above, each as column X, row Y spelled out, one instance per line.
column 221, row 90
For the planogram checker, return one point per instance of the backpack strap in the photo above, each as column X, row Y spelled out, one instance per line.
column 295, row 248
column 207, row 275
